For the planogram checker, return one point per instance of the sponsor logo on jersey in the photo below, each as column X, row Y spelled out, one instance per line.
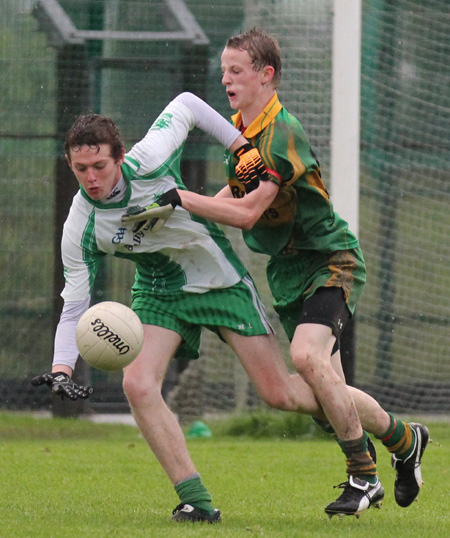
column 119, row 236
column 163, row 122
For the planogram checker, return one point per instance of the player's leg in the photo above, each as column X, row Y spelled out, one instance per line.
column 367, row 407
column 241, row 320
column 311, row 351
column 406, row 442
column 261, row 359
column 142, row 384
column 373, row 417
column 263, row 363
column 142, row 381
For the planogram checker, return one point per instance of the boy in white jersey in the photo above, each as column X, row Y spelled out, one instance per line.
column 187, row 277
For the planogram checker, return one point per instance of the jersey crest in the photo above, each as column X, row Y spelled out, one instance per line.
column 163, row 122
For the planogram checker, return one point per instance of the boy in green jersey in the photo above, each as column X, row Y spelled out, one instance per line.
column 316, row 269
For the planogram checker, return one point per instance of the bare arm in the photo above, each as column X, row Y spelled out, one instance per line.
column 62, row 368
column 225, row 192
column 238, row 212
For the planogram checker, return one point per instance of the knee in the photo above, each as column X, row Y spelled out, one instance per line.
column 303, row 362
column 297, row 402
column 292, row 395
column 280, row 400
column 139, row 389
column 312, row 365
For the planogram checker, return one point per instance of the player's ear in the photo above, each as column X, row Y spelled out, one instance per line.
column 69, row 162
column 121, row 158
column 267, row 74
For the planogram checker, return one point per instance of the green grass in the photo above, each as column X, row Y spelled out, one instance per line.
column 70, row 478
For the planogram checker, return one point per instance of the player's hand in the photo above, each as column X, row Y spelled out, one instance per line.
column 154, row 216
column 61, row 384
column 250, row 169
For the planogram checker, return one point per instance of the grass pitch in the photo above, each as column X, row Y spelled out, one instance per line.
column 70, row 478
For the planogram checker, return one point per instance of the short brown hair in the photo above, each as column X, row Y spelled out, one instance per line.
column 263, row 50
column 92, row 130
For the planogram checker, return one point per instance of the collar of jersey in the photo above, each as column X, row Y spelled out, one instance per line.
column 272, row 108
column 127, row 172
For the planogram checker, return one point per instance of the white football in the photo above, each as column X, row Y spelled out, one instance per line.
column 109, row 336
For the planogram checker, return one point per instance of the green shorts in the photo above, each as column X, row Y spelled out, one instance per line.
column 238, row 308
column 295, row 278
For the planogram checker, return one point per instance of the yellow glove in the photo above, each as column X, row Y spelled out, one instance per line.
column 250, row 169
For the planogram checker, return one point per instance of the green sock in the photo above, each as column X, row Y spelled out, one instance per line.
column 359, row 462
column 399, row 438
column 360, row 447
column 193, row 492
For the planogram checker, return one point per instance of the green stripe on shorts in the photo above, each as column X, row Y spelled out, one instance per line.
column 238, row 308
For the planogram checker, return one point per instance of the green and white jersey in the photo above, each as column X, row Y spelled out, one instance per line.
column 187, row 254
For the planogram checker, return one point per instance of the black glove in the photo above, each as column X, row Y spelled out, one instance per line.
column 250, row 169
column 61, row 384
column 170, row 197
column 155, row 215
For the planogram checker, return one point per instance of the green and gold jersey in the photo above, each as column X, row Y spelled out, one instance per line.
column 301, row 217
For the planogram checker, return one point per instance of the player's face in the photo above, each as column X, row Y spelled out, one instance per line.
column 96, row 171
column 248, row 90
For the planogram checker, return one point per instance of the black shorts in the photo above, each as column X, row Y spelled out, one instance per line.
column 327, row 307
